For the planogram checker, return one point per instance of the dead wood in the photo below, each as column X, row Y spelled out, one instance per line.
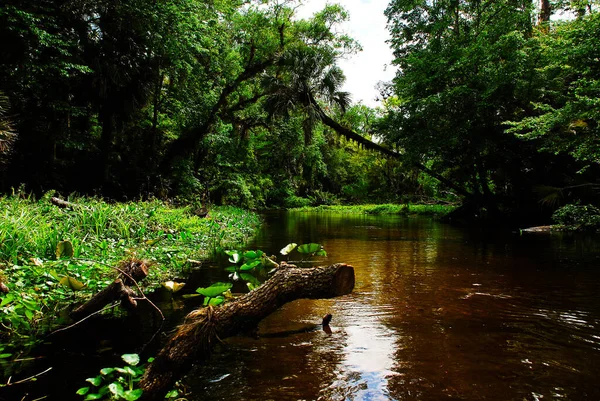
column 63, row 204
column 204, row 327
column 132, row 271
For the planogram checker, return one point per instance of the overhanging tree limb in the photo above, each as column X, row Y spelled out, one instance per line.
column 367, row 144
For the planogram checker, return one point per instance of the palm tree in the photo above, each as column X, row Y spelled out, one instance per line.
column 307, row 76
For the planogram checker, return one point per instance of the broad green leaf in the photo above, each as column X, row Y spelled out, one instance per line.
column 231, row 269
column 132, row 395
column 321, row 253
column 116, row 389
column 93, row 396
column 172, row 394
column 309, row 248
column 64, row 249
column 214, row 290
column 96, row 381
column 173, row 286
column 106, row 371
column 235, row 258
column 130, row 371
column 4, row 356
column 54, row 275
column 72, row 283
column 250, row 266
column 83, row 391
column 288, row 248
column 7, row 299
column 131, row 359
column 216, row 301
column 250, row 255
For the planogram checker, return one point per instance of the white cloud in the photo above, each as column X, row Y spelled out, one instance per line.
column 367, row 25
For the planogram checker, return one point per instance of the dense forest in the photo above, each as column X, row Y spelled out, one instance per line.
column 495, row 104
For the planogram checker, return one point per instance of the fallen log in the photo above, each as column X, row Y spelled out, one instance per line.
column 203, row 327
column 63, row 204
column 131, row 271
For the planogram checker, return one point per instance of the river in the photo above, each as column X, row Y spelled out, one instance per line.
column 438, row 312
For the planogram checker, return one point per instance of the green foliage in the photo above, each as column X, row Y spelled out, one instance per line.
column 578, row 217
column 566, row 110
column 410, row 209
column 51, row 257
column 116, row 383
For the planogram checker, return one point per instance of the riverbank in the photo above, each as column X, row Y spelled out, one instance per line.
column 53, row 257
column 382, row 209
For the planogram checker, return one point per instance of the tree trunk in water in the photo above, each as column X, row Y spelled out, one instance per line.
column 204, row 327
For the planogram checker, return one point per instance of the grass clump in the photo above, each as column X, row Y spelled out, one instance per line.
column 384, row 209
column 50, row 257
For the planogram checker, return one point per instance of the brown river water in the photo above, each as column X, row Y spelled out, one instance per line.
column 438, row 313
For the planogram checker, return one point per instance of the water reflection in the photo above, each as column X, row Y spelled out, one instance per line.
column 437, row 313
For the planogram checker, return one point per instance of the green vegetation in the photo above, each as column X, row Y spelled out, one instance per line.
column 51, row 257
column 577, row 218
column 116, row 383
column 406, row 209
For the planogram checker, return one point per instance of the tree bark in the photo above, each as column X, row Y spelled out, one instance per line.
column 204, row 327
column 132, row 271
column 545, row 12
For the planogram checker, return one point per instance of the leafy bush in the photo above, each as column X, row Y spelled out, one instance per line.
column 293, row 201
column 578, row 217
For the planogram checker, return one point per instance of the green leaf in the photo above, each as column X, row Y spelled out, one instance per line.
column 93, row 396
column 231, row 269
column 96, row 381
column 4, row 356
column 214, row 290
column 235, row 258
column 250, row 266
column 54, row 275
column 83, row 391
column 131, row 359
column 7, row 299
column 106, row 371
column 130, row 371
column 321, row 253
column 216, row 301
column 309, row 248
column 72, row 283
column 132, row 395
column 64, row 249
column 288, row 248
column 250, row 255
column 172, row 394
column 116, row 389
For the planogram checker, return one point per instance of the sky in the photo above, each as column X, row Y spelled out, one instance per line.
column 368, row 26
